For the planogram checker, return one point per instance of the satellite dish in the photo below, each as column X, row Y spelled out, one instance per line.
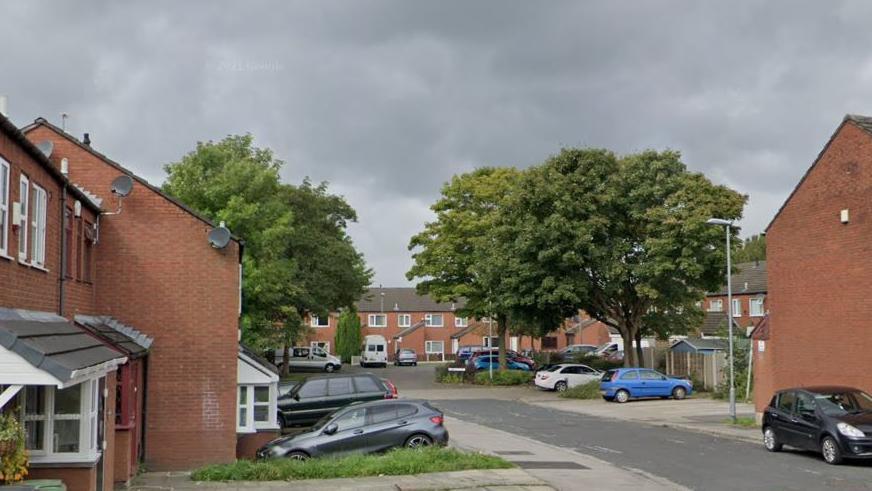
column 122, row 185
column 219, row 237
column 46, row 147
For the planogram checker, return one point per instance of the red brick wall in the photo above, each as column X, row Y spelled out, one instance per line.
column 247, row 444
column 76, row 478
column 156, row 271
column 595, row 334
column 820, row 274
column 745, row 320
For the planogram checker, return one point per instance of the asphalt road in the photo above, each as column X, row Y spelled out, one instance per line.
column 694, row 460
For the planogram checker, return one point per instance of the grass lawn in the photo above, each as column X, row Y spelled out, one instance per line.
column 394, row 463
column 743, row 422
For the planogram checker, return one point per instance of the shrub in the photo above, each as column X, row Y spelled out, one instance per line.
column 598, row 363
column 452, row 378
column 590, row 390
column 441, row 372
column 13, row 456
column 509, row 377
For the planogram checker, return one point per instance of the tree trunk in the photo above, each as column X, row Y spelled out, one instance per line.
column 502, row 327
column 286, row 358
column 640, row 357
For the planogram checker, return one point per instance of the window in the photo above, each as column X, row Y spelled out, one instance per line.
column 461, row 321
column 433, row 320
column 61, row 424
column 68, row 242
column 490, row 342
column 650, row 375
column 242, row 403
column 4, row 207
column 257, row 406
column 377, row 320
column 785, row 401
column 382, row 414
column 339, row 386
column 434, row 347
column 737, row 307
column 80, row 253
column 351, row 420
column 37, row 226
column 716, row 305
column 756, row 305
column 23, row 195
column 320, row 321
column 261, row 404
column 406, row 410
column 404, row 320
column 313, row 388
column 630, row 375
column 87, row 255
column 549, row 342
column 366, row 384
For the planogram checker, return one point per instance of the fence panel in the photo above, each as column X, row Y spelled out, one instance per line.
column 705, row 368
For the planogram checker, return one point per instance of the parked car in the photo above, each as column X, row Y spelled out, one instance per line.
column 569, row 353
column 364, row 428
column 317, row 396
column 374, row 351
column 615, row 356
column 566, row 375
column 406, row 356
column 310, row 358
column 486, row 361
column 836, row 421
column 465, row 352
column 622, row 384
column 606, row 350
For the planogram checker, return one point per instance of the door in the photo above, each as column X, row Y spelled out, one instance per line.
column 101, row 427
column 782, row 416
column 349, row 436
column 630, row 380
column 572, row 375
column 340, row 391
column 654, row 384
column 382, row 429
column 806, row 422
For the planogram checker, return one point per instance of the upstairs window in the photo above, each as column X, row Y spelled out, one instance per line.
column 23, row 200
column 404, row 320
column 756, row 305
column 317, row 321
column 4, row 207
column 716, row 305
column 377, row 320
column 433, row 320
column 461, row 321
column 37, row 226
column 737, row 307
column 88, row 253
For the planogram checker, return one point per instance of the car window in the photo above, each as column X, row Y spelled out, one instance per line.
column 804, row 403
column 648, row 375
column 319, row 352
column 313, row 388
column 367, row 384
column 354, row 418
column 370, row 347
column 785, row 401
column 554, row 368
column 570, row 370
column 406, row 410
column 839, row 403
column 380, row 347
column 586, row 370
column 630, row 375
column 339, row 386
column 380, row 414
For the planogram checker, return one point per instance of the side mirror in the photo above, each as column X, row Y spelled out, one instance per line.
column 331, row 429
column 297, row 396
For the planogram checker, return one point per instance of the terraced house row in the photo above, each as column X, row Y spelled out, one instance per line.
column 118, row 320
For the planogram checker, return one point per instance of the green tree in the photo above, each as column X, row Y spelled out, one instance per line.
column 623, row 239
column 751, row 249
column 349, row 337
column 299, row 259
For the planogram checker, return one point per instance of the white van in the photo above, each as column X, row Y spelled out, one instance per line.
column 374, row 351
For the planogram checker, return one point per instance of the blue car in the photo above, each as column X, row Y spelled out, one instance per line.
column 622, row 384
column 485, row 362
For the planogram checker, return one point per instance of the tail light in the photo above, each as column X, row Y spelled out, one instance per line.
column 437, row 420
column 393, row 390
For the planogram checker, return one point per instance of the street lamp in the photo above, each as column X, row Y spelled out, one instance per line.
column 727, row 224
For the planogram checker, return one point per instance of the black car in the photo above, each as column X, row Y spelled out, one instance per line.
column 836, row 421
column 364, row 428
column 314, row 397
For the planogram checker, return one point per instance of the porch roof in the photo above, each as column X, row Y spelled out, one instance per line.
column 118, row 335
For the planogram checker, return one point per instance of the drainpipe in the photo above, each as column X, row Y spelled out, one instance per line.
column 62, row 262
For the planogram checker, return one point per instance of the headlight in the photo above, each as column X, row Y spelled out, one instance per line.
column 848, row 430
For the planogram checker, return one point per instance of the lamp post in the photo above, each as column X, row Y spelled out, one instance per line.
column 727, row 224
column 490, row 348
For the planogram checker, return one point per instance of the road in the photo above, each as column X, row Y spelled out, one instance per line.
column 691, row 459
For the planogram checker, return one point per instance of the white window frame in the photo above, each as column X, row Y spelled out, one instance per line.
column 371, row 320
column 250, row 425
column 89, row 447
column 404, row 320
column 737, row 307
column 488, row 342
column 713, row 302
column 324, row 345
column 461, row 321
column 24, row 208
column 313, row 321
column 758, row 301
column 429, row 344
column 4, row 207
column 428, row 320
column 39, row 202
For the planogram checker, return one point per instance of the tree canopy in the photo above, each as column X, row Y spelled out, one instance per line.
column 751, row 249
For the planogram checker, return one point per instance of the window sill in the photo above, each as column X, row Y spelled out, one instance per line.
column 65, row 460
column 33, row 266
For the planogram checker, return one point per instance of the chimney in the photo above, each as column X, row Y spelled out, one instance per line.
column 86, row 139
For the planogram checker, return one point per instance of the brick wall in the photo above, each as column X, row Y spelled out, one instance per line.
column 156, row 271
column 820, row 273
column 745, row 319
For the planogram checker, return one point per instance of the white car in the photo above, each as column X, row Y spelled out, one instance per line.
column 313, row 358
column 566, row 375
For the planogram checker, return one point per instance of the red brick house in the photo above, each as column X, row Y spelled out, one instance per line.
column 821, row 272
column 750, row 287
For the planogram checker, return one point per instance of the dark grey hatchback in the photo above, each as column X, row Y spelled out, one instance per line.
column 364, row 428
column 835, row 421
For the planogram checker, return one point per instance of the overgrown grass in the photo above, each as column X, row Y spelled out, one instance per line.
column 743, row 422
column 590, row 390
column 394, row 463
column 509, row 377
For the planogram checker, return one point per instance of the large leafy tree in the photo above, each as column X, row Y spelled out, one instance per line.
column 623, row 239
column 298, row 258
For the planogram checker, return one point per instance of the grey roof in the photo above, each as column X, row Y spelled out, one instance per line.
column 403, row 300
column 409, row 330
column 51, row 343
column 125, row 338
column 703, row 344
column 714, row 322
column 749, row 278
column 249, row 352
column 864, row 122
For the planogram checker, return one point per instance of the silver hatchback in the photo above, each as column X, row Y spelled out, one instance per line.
column 406, row 356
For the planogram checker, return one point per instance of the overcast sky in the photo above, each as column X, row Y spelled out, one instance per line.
column 387, row 100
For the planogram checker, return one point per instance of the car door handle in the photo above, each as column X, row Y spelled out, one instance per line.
column 402, row 423
column 357, row 432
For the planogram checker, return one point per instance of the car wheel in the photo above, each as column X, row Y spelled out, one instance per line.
column 679, row 393
column 418, row 441
column 414, row 363
column 622, row 396
column 770, row 440
column 830, row 450
column 560, row 386
column 329, row 368
column 297, row 455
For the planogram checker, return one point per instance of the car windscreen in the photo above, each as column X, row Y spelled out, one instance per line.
column 844, row 402
column 407, row 351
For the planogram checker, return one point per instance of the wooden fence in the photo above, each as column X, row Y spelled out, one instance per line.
column 705, row 368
